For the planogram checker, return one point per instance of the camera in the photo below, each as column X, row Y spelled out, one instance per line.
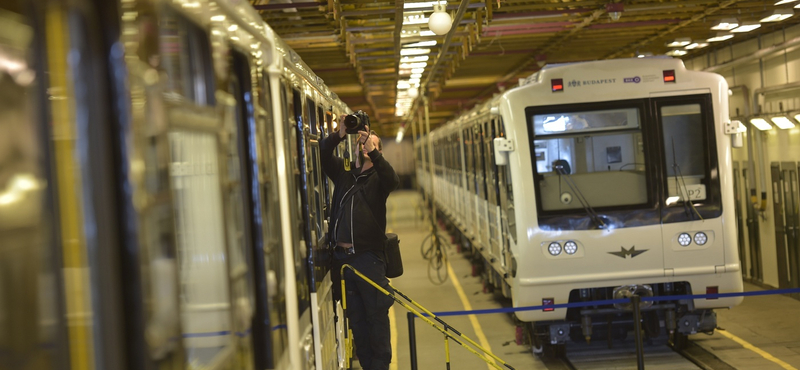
column 356, row 122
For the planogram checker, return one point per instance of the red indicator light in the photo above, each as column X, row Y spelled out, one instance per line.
column 557, row 84
column 669, row 75
column 712, row 290
column 548, row 302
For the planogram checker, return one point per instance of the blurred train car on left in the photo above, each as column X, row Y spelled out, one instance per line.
column 161, row 200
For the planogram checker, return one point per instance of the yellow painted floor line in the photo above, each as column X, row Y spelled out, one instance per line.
column 755, row 349
column 393, row 330
column 472, row 318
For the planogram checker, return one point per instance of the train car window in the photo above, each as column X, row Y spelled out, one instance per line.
column 303, row 219
column 505, row 176
column 480, row 166
column 683, row 150
column 470, row 174
column 186, row 58
column 201, row 246
column 689, row 158
column 316, row 169
column 588, row 121
column 312, row 116
column 273, row 248
column 323, row 127
column 31, row 316
column 589, row 151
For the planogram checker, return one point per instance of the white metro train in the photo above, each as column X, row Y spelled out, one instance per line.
column 162, row 204
column 591, row 181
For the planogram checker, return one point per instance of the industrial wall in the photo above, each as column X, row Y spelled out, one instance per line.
column 764, row 76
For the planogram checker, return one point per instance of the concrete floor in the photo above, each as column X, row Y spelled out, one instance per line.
column 762, row 333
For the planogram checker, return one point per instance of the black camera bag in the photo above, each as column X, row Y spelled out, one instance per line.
column 393, row 261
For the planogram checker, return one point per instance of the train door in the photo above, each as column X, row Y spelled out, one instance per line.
column 785, row 199
column 33, row 332
column 469, row 173
column 322, row 315
column 481, row 223
column 507, row 216
column 739, row 195
column 492, row 194
column 753, row 239
column 269, row 327
column 243, row 203
column 297, row 289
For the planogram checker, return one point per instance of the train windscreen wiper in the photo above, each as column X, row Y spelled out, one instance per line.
column 562, row 170
column 680, row 186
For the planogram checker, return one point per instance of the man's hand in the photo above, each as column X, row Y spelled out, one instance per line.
column 369, row 145
column 341, row 132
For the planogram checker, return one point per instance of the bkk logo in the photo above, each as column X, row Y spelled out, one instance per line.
column 635, row 80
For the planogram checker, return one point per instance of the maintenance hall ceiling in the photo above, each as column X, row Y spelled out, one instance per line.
column 355, row 45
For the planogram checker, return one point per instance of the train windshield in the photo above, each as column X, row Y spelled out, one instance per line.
column 589, row 159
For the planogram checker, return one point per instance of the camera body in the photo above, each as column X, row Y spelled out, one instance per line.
column 356, row 122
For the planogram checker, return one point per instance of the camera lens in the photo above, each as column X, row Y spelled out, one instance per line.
column 351, row 121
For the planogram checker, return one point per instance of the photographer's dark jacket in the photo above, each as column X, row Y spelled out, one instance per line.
column 358, row 208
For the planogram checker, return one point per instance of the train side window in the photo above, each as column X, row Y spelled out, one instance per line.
column 297, row 151
column 316, row 170
column 322, row 122
column 684, row 152
column 32, row 319
column 186, row 58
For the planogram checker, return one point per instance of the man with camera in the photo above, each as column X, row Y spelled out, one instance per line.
column 358, row 236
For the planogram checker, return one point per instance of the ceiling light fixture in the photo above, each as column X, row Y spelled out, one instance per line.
column 720, row 37
column 414, row 51
column 696, row 45
column 440, row 22
column 680, row 42
column 421, row 44
column 615, row 10
column 761, row 124
column 778, row 15
column 414, row 18
column 419, row 58
column 425, row 4
column 782, row 122
column 726, row 24
column 785, row 2
column 677, row 52
column 746, row 27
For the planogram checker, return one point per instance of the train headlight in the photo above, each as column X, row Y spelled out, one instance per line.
column 700, row 238
column 554, row 248
column 684, row 239
column 570, row 247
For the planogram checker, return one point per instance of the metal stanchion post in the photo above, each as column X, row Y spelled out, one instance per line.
column 637, row 331
column 412, row 340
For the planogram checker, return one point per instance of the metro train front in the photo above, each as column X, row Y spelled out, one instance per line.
column 622, row 183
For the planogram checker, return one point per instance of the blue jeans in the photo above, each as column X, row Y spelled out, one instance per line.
column 367, row 308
